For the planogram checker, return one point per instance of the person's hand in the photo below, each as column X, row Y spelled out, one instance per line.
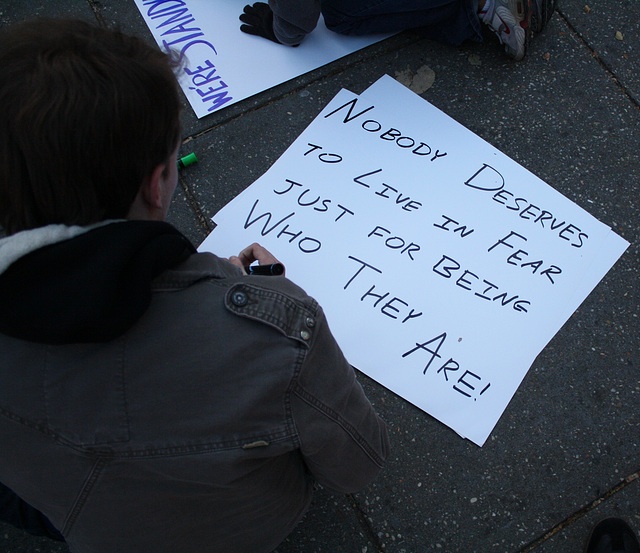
column 258, row 21
column 254, row 252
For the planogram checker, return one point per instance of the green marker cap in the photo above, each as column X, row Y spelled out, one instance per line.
column 187, row 160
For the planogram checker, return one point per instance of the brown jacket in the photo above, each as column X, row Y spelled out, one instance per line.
column 201, row 428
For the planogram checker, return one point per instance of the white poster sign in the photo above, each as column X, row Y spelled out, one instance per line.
column 444, row 267
column 225, row 65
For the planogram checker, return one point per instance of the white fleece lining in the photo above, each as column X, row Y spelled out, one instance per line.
column 20, row 244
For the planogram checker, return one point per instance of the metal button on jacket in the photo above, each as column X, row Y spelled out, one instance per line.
column 239, row 299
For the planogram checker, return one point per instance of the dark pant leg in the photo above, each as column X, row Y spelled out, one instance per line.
column 20, row 514
column 448, row 21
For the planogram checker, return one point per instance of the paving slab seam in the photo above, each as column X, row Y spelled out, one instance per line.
column 581, row 512
column 203, row 220
column 594, row 53
column 96, row 7
column 365, row 524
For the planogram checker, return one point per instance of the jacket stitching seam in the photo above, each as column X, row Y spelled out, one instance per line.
column 291, row 390
column 81, row 499
column 338, row 419
column 197, row 449
column 39, row 427
column 209, row 447
column 125, row 403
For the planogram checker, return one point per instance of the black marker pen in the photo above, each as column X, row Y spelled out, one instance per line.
column 274, row 269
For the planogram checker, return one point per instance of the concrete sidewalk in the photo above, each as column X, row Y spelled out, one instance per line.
column 566, row 452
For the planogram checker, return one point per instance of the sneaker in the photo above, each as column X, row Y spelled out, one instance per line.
column 541, row 12
column 509, row 19
column 612, row 535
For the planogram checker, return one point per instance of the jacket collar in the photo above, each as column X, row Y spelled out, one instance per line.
column 75, row 284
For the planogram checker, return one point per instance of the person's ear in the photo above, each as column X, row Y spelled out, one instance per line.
column 149, row 201
column 153, row 187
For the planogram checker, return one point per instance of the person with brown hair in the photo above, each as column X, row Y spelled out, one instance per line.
column 151, row 398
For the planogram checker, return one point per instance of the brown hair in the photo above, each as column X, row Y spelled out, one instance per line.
column 85, row 115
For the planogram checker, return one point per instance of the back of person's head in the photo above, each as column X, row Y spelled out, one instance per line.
column 86, row 114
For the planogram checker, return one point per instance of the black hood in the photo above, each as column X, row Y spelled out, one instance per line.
column 90, row 288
